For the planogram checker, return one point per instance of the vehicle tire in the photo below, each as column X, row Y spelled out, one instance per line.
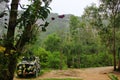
column 36, row 73
column 19, row 76
column 38, row 70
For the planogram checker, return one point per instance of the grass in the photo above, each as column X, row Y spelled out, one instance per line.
column 55, row 79
column 61, row 79
column 113, row 77
column 44, row 71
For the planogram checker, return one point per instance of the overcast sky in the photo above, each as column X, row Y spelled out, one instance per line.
column 75, row 7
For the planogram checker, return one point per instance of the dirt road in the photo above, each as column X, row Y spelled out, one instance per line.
column 100, row 73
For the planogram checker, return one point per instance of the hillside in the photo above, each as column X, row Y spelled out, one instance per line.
column 57, row 26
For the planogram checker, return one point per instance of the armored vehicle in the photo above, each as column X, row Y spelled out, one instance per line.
column 28, row 66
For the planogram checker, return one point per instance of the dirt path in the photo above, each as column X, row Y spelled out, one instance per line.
column 100, row 73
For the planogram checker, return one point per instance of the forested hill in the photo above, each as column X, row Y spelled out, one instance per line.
column 58, row 25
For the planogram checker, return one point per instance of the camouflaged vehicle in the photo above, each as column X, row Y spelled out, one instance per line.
column 28, row 66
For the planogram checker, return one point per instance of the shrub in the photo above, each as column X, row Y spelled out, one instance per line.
column 43, row 55
column 96, row 60
column 50, row 60
column 113, row 77
column 56, row 61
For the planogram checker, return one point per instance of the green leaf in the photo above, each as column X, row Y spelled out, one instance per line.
column 43, row 29
column 46, row 24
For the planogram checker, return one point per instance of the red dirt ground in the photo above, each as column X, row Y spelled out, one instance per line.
column 100, row 73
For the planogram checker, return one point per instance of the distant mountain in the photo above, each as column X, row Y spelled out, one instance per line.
column 58, row 25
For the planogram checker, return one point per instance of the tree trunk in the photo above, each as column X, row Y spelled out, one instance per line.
column 7, row 72
column 73, row 62
column 119, row 59
column 12, row 67
column 12, row 24
column 78, row 60
column 119, row 65
column 61, row 61
column 114, row 46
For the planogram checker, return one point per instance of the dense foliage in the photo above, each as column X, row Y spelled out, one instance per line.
column 79, row 41
column 69, row 42
column 20, row 30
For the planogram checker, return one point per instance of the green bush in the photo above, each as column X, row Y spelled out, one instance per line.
column 113, row 77
column 56, row 60
column 3, row 64
column 43, row 55
column 50, row 60
column 96, row 60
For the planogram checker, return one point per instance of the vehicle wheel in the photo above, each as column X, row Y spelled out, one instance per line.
column 39, row 70
column 36, row 73
column 20, row 76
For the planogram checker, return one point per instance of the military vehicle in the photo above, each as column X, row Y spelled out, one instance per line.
column 28, row 66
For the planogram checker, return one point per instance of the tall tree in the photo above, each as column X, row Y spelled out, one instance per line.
column 53, row 43
column 91, row 23
column 74, row 25
column 112, row 10
column 27, row 22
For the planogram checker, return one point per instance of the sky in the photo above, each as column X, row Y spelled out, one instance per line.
column 75, row 7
